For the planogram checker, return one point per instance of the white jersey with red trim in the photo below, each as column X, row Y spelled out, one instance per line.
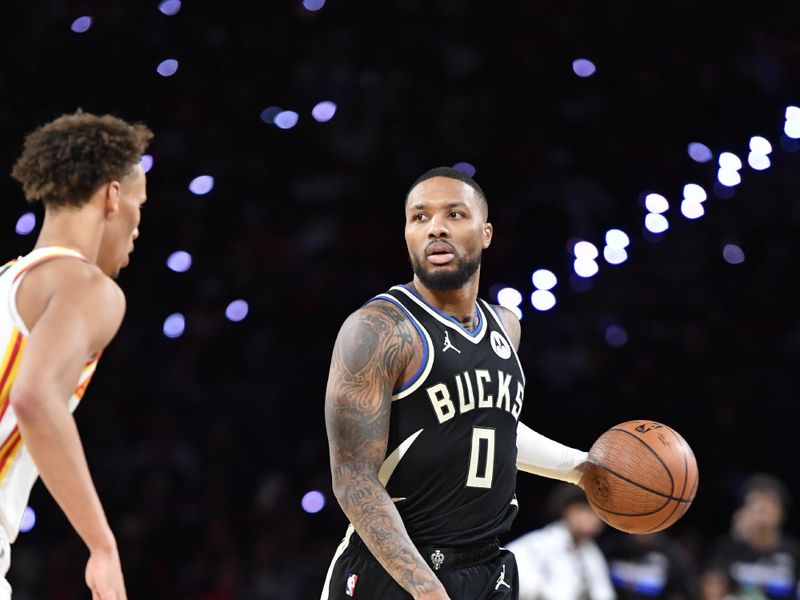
column 18, row 473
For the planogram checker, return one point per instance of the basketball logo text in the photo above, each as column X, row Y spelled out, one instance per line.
column 645, row 427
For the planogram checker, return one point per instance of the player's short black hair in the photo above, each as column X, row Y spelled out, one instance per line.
column 452, row 173
column 762, row 482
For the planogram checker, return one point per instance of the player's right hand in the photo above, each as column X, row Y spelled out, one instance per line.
column 104, row 576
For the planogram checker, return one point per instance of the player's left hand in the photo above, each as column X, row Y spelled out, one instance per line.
column 104, row 576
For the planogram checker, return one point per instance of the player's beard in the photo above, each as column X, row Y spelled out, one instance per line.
column 442, row 279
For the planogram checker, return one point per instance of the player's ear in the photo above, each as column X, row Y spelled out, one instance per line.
column 488, row 230
column 112, row 200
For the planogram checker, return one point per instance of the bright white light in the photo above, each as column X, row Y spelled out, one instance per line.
column 616, row 238
column 28, row 520
column 543, row 279
column 729, row 177
column 313, row 502
column 313, row 5
column 733, row 254
column 170, row 7
column 656, row 223
column 543, row 300
column 700, row 152
column 585, row 267
column 792, row 129
column 692, row 209
column 585, row 250
column 174, row 325
column 201, row 185
column 509, row 297
column 615, row 255
column 583, row 67
column 146, row 162
column 758, row 162
column 26, row 223
column 693, row 192
column 179, row 261
column 729, row 161
column 167, row 68
column 237, row 310
column 81, row 24
column 793, row 113
column 286, row 119
column 323, row 111
column 656, row 203
column 760, row 145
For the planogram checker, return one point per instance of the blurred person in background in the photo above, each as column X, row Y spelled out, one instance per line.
column 649, row 566
column 561, row 561
column 757, row 559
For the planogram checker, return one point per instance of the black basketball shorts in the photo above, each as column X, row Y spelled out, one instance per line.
column 354, row 573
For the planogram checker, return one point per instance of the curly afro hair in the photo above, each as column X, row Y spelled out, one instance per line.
column 65, row 161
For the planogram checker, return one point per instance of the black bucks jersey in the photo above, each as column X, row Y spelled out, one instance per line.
column 450, row 466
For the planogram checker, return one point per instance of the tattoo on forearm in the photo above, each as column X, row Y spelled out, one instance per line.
column 373, row 349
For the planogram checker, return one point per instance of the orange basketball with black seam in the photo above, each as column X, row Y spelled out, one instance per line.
column 641, row 476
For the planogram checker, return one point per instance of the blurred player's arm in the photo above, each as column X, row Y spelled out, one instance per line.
column 535, row 453
column 79, row 320
column 374, row 347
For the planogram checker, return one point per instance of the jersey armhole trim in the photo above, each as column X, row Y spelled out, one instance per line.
column 427, row 350
column 56, row 252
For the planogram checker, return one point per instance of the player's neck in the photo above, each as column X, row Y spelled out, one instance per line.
column 458, row 303
column 80, row 230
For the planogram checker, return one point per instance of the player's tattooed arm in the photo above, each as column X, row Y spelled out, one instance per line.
column 512, row 325
column 374, row 347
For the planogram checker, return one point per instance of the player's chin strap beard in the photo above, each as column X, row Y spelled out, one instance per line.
column 446, row 280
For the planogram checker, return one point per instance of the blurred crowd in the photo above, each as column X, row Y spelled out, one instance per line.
column 573, row 558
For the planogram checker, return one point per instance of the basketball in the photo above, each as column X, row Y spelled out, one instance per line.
column 641, row 477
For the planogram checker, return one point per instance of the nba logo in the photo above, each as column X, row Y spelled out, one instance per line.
column 350, row 588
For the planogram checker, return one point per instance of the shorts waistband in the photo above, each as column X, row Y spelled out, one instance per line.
column 443, row 558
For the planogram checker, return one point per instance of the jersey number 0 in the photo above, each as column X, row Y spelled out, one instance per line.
column 481, row 458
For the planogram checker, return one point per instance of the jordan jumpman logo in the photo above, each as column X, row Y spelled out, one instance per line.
column 502, row 579
column 448, row 345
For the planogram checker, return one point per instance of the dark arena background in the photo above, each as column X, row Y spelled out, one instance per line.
column 287, row 134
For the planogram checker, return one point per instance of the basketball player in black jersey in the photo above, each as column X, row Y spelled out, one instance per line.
column 422, row 406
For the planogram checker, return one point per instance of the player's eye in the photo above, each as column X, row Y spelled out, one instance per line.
column 418, row 217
